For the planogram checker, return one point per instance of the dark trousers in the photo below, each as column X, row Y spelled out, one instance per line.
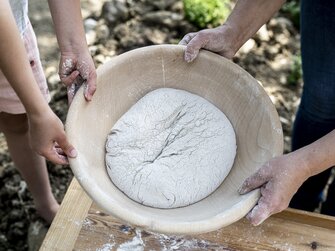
column 316, row 114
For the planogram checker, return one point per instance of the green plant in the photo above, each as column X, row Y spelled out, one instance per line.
column 296, row 71
column 292, row 10
column 206, row 13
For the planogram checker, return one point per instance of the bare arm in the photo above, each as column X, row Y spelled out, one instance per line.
column 280, row 178
column 319, row 155
column 44, row 126
column 76, row 65
column 69, row 28
column 245, row 19
column 249, row 15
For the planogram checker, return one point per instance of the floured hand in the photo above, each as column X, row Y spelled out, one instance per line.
column 76, row 70
column 218, row 40
column 278, row 179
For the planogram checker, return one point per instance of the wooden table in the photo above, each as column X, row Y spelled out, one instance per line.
column 81, row 225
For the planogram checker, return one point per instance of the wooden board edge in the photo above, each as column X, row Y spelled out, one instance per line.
column 308, row 218
column 67, row 224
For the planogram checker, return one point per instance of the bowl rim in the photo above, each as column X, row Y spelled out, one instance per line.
column 126, row 214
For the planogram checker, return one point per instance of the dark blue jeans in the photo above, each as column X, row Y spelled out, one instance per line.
column 316, row 114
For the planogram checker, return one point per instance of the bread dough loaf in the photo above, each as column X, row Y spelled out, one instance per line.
column 171, row 149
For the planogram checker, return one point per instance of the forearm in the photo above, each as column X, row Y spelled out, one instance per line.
column 248, row 16
column 319, row 155
column 15, row 65
column 66, row 15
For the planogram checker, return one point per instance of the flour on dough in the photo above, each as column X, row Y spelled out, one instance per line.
column 171, row 149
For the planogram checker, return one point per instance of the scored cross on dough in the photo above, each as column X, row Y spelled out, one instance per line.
column 171, row 149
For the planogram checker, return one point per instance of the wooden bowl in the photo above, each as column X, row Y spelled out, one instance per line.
column 128, row 77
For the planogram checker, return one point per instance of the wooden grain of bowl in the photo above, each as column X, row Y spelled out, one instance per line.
column 128, row 77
